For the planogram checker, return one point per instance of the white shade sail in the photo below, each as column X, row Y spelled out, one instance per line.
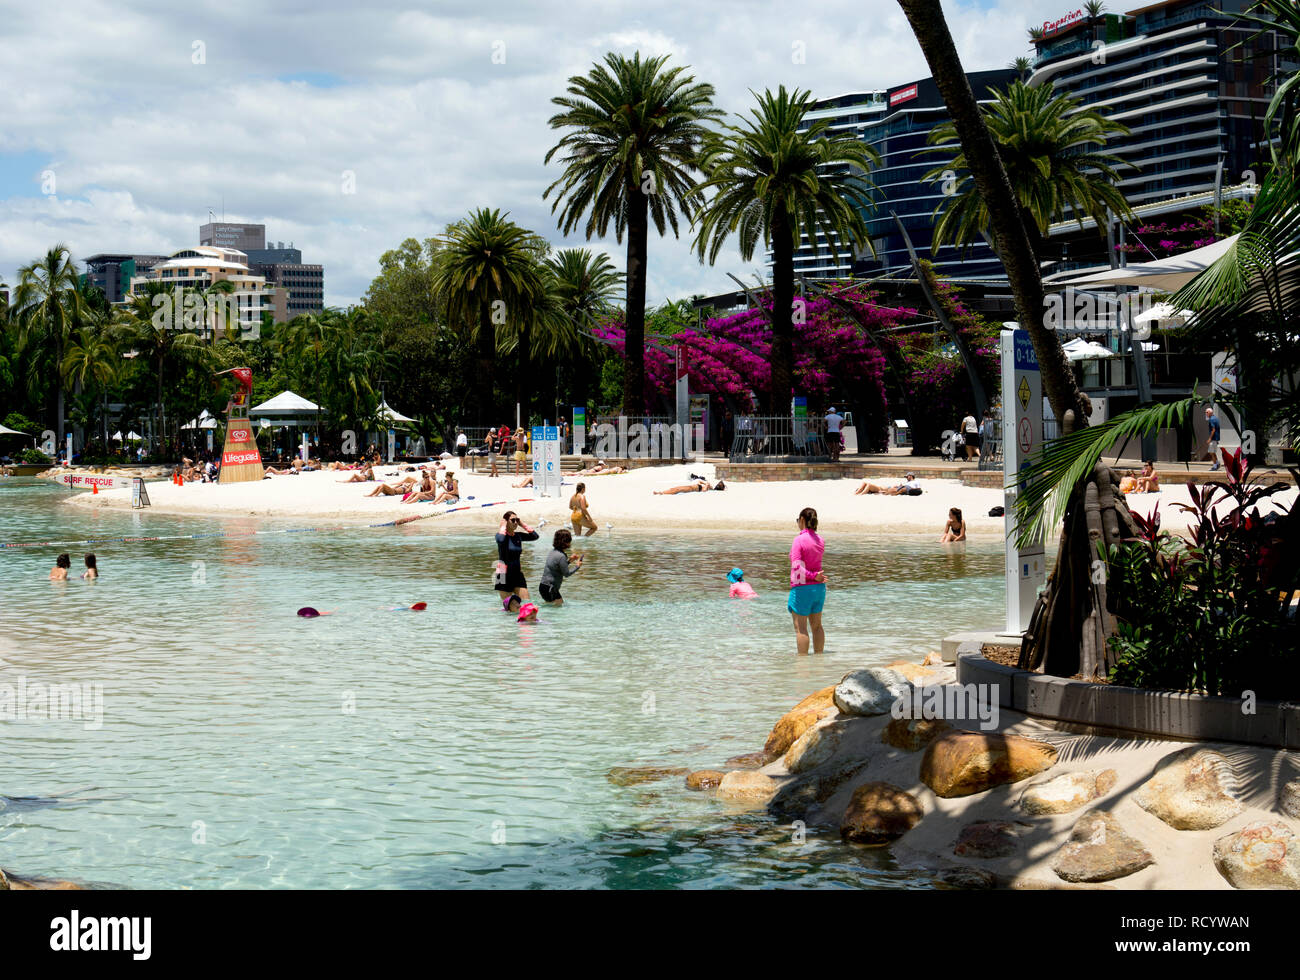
column 1171, row 273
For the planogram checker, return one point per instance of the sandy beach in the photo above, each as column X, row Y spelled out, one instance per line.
column 625, row 500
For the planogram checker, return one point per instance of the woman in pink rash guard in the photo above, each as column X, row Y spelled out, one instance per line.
column 807, row 583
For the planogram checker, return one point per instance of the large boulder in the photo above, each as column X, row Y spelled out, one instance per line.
column 964, row 763
column 746, row 786
column 913, row 734
column 1263, row 854
column 879, row 813
column 795, row 798
column 872, row 691
column 635, row 775
column 915, row 673
column 814, row 748
column 1099, row 850
column 796, row 721
column 1068, row 791
column 1190, row 790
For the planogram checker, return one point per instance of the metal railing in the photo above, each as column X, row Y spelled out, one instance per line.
column 778, row 439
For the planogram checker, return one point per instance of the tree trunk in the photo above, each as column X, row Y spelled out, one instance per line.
column 1014, row 243
column 634, row 342
column 486, row 351
column 160, row 435
column 782, row 356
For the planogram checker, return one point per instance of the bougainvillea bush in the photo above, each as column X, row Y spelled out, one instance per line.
column 835, row 360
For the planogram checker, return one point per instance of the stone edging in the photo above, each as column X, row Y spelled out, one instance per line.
column 1168, row 714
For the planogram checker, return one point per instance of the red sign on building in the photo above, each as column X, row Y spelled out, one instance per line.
column 241, row 435
column 902, row 95
column 1051, row 27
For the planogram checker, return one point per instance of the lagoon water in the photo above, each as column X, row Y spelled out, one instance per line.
column 243, row 747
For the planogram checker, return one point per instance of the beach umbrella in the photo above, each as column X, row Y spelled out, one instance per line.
column 1163, row 315
column 1087, row 350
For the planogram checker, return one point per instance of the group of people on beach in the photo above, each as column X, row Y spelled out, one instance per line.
column 499, row 442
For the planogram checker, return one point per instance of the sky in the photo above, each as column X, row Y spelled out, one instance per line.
column 346, row 128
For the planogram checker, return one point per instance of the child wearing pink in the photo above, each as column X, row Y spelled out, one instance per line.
column 740, row 589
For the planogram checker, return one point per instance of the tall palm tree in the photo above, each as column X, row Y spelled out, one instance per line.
column 1051, row 151
column 49, row 305
column 779, row 177
column 489, row 274
column 634, row 131
column 1022, row 66
column 157, row 337
column 585, row 284
column 93, row 359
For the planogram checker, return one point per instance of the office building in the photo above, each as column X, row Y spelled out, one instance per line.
column 113, row 273
column 896, row 123
column 304, row 284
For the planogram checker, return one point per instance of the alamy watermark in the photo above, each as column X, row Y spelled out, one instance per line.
column 950, row 702
column 189, row 311
column 658, row 440
column 28, row 701
column 1086, row 310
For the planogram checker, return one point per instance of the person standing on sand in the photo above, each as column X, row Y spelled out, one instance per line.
column 807, row 584
column 510, row 538
column 521, row 449
column 490, row 441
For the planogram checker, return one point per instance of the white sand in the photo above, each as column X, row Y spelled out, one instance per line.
column 625, row 500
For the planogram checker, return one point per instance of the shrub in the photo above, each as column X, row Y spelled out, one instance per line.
column 30, row 455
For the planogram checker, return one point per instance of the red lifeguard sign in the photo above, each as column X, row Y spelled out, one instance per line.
column 241, row 461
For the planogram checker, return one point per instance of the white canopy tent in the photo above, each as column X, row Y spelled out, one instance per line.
column 204, row 421
column 1166, row 274
column 286, row 409
column 1079, row 349
column 391, row 415
column 5, row 431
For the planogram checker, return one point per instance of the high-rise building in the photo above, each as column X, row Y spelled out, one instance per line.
column 896, row 123
column 113, row 273
column 303, row 284
column 1191, row 83
column 221, row 234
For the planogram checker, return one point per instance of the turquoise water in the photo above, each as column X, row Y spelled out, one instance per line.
column 242, row 747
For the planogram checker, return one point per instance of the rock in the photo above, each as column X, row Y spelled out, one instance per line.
column 1190, row 790
column 933, row 659
column 1289, row 800
column 871, row 691
column 915, row 673
column 963, row 763
column 796, row 797
column 879, row 813
column 747, row 787
column 17, row 884
column 1099, row 850
column 704, row 779
column 751, row 760
column 4, row 881
column 635, row 775
column 912, row 735
column 968, row 878
column 987, row 839
column 797, row 720
column 814, row 748
column 1263, row 854
column 1068, row 791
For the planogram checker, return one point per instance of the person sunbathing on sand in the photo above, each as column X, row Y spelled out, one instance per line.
column 699, row 486
column 910, row 488
column 955, row 529
column 365, row 476
column 428, row 490
column 525, row 482
column 298, row 467
column 1149, row 481
column 450, row 493
column 398, row 489
column 602, row 468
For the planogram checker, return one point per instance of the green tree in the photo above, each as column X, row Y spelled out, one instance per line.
column 779, row 177
column 1051, row 151
column 489, row 274
column 93, row 360
column 49, row 305
column 633, row 133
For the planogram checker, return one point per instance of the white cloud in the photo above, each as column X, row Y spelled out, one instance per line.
column 144, row 140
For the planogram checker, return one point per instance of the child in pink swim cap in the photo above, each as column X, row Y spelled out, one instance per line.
column 527, row 613
column 740, row 589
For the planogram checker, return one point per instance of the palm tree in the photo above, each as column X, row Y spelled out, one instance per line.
column 585, row 284
column 1022, row 66
column 1048, row 146
column 49, row 305
column 93, row 359
column 780, row 178
column 488, row 274
column 634, row 131
column 156, row 336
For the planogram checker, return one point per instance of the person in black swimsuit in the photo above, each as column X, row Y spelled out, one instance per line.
column 511, row 536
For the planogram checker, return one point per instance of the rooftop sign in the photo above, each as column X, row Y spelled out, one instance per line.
column 902, row 95
column 1051, row 27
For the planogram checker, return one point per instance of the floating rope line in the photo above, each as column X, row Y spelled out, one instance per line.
column 134, row 539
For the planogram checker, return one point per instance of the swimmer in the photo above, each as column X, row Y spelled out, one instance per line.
column 511, row 603
column 955, row 529
column 59, row 573
column 92, row 567
column 527, row 613
column 699, row 486
column 418, row 607
column 740, row 589
column 307, row 612
column 578, row 514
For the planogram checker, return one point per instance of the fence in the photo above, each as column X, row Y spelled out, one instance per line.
column 778, row 438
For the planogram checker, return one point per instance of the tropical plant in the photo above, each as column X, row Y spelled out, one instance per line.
column 49, row 306
column 585, row 285
column 93, row 360
column 1053, row 152
column 633, row 134
column 489, row 273
column 778, row 177
column 1022, row 66
column 1281, row 19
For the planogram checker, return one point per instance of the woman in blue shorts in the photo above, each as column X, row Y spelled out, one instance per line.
column 807, row 584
